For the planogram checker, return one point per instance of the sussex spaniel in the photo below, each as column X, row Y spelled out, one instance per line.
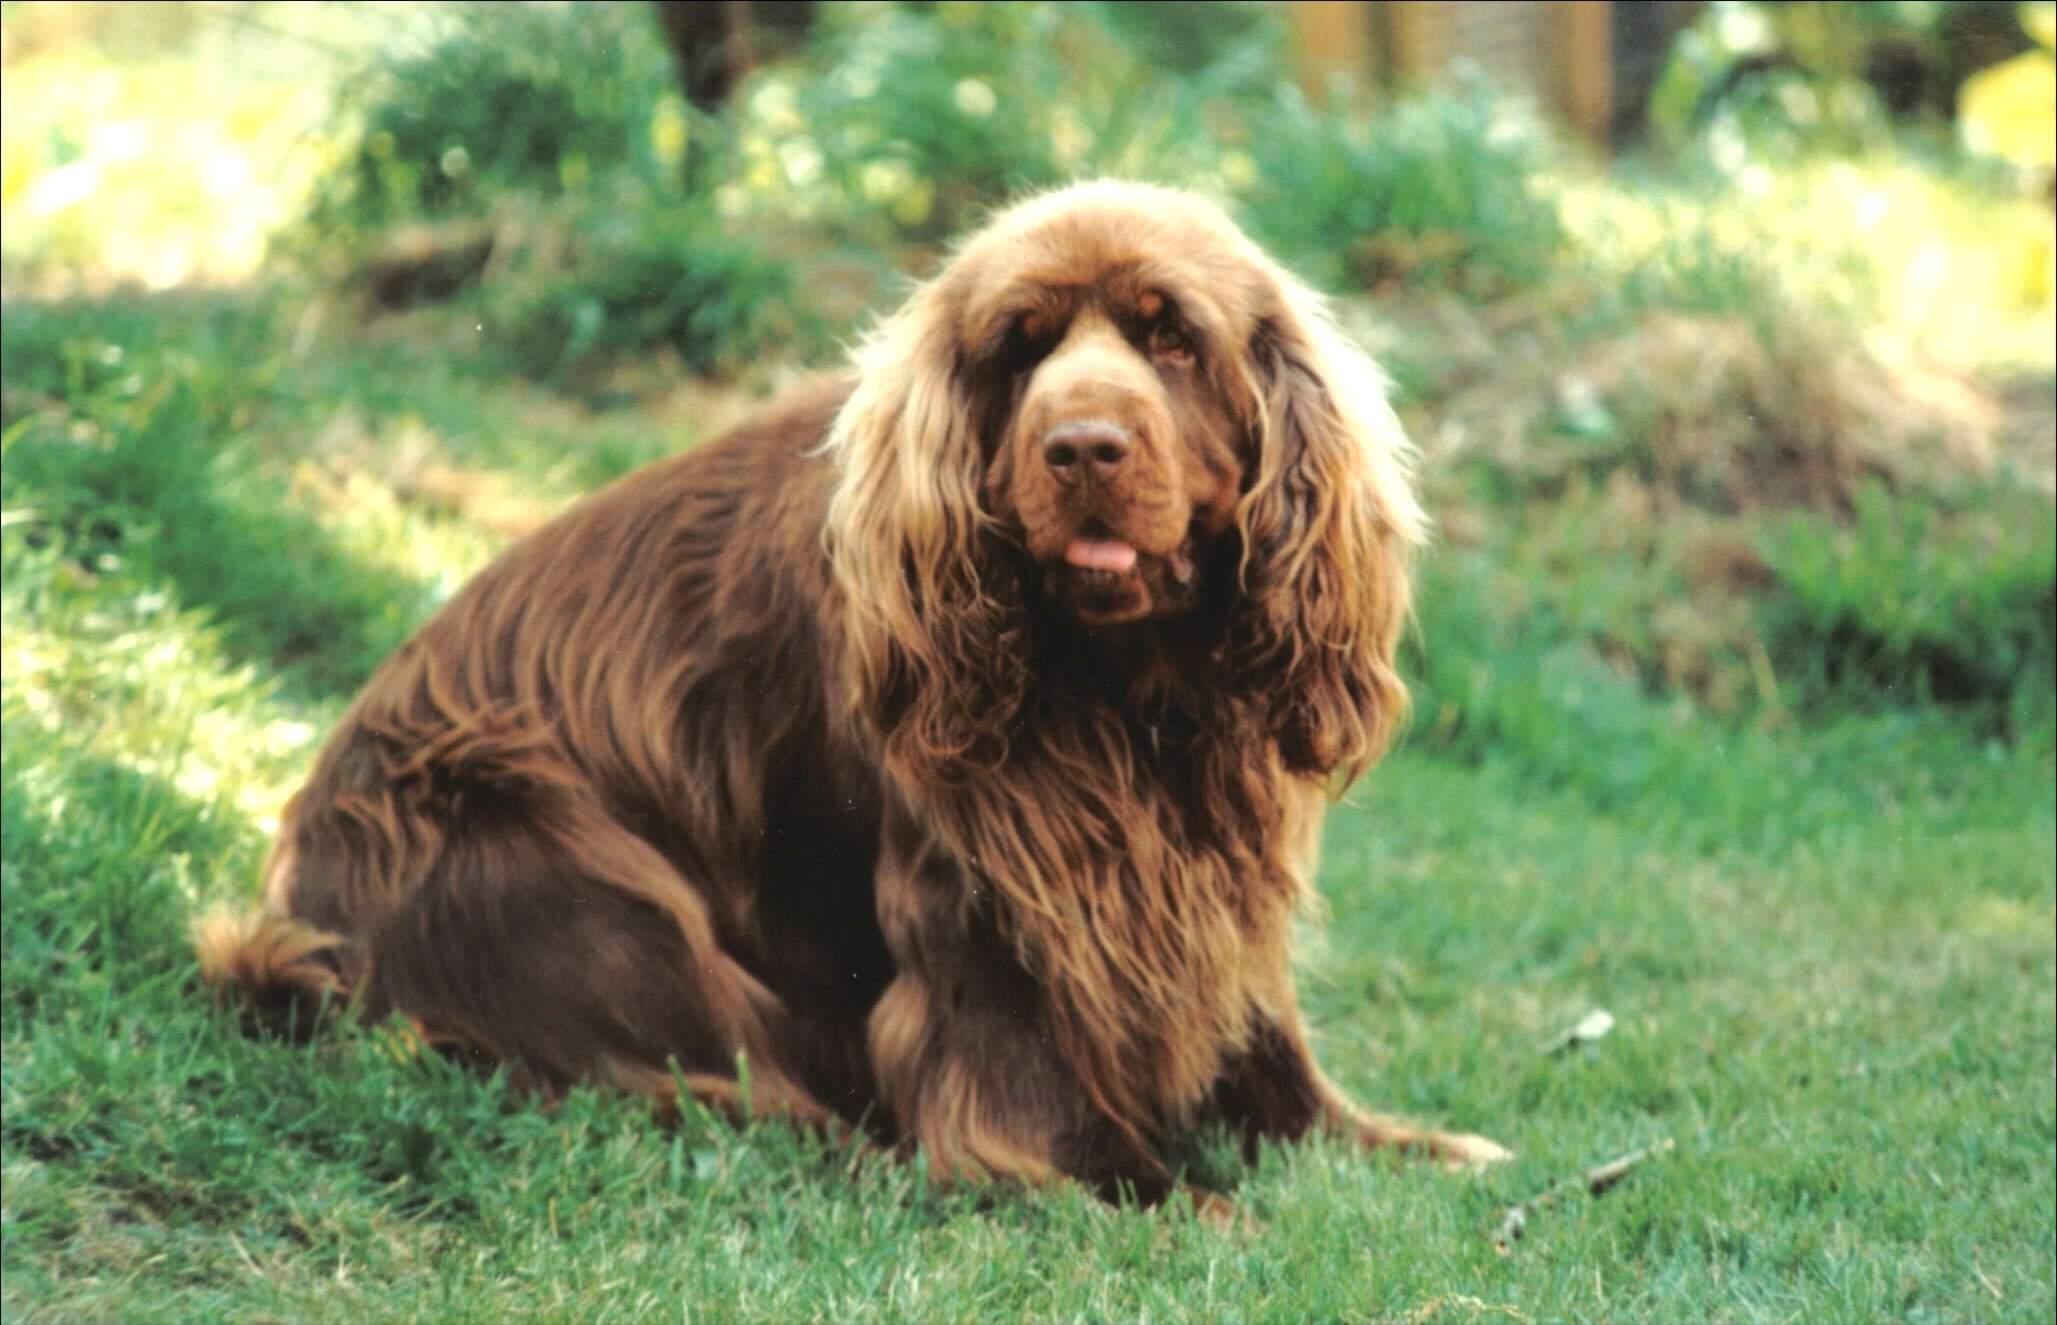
column 949, row 744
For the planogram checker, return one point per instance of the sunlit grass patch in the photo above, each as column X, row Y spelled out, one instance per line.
column 1956, row 267
column 148, row 466
column 166, row 169
column 316, row 501
column 113, row 668
column 393, row 506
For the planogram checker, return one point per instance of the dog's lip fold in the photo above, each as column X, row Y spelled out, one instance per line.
column 1108, row 554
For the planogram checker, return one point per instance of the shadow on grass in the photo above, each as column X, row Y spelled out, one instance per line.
column 128, row 443
column 100, row 858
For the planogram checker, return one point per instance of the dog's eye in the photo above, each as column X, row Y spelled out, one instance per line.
column 1027, row 344
column 1168, row 342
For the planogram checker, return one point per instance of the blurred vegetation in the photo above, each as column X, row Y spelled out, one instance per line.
column 1735, row 678
column 1757, row 82
column 570, row 111
column 540, row 101
column 1709, row 412
column 1443, row 190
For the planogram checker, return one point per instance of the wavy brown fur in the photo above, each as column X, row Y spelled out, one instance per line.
column 825, row 744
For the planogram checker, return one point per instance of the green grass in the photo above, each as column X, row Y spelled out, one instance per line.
column 1763, row 764
column 1827, row 940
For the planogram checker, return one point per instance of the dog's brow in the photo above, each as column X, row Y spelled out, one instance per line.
column 1027, row 302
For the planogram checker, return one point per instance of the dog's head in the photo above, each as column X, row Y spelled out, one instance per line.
column 1108, row 409
column 1115, row 437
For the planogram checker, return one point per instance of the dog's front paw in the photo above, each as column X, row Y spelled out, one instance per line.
column 1461, row 1152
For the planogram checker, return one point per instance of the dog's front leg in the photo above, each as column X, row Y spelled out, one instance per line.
column 962, row 1048
column 1274, row 1091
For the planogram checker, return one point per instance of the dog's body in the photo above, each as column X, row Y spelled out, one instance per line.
column 949, row 742
column 709, row 805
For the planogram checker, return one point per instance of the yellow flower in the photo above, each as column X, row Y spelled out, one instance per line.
column 2010, row 109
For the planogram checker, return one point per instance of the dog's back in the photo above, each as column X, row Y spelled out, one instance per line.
column 527, row 834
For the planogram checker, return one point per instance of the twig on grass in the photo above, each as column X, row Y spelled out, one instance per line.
column 1429, row 1309
column 1595, row 1181
column 244, row 1252
column 1986, row 1279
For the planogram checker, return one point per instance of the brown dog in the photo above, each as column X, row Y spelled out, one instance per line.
column 951, row 741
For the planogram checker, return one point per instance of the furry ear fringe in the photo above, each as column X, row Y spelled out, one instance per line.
column 1330, row 527
column 928, row 658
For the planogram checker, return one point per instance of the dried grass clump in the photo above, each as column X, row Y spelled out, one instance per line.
column 1721, row 415
column 1714, row 411
column 1661, row 494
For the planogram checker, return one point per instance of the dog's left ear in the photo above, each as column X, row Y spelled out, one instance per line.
column 1329, row 524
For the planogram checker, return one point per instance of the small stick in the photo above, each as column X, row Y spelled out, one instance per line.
column 1595, row 1181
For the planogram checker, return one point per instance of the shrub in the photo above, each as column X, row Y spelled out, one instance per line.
column 1748, row 82
column 1442, row 187
column 540, row 98
column 1915, row 602
column 636, row 278
column 909, row 122
column 546, row 147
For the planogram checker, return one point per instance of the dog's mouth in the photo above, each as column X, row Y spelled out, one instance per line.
column 1109, row 581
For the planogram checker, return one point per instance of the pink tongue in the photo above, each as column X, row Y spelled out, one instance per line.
column 1101, row 554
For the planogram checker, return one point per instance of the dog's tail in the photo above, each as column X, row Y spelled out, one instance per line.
column 284, row 972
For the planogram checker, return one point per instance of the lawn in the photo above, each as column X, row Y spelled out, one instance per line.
column 1740, row 732
column 1827, row 946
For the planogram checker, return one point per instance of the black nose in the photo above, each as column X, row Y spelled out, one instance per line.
column 1086, row 448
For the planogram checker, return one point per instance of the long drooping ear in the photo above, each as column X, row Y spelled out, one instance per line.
column 1329, row 527
column 931, row 662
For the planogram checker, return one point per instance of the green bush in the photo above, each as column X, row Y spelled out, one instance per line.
column 926, row 117
column 1913, row 603
column 1734, row 89
column 1754, row 83
column 898, row 123
column 1440, row 187
column 563, row 127
column 910, row 122
column 539, row 98
column 638, row 278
